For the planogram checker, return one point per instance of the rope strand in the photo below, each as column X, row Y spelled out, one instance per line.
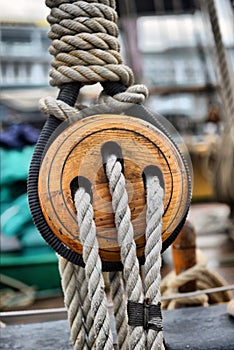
column 154, row 213
column 73, row 302
column 93, row 270
column 119, row 305
column 127, row 244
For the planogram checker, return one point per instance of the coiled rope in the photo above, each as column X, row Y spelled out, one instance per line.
column 206, row 280
column 86, row 50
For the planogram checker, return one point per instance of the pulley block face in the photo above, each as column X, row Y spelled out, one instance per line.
column 77, row 158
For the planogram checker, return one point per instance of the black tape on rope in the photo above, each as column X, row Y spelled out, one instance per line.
column 148, row 316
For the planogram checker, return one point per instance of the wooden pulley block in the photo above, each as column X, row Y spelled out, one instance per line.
column 77, row 158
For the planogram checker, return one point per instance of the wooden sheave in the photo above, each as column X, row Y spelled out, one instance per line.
column 77, row 158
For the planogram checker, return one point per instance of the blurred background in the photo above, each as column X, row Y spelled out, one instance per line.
column 170, row 46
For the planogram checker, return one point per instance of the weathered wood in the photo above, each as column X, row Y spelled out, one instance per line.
column 184, row 254
column 78, row 152
column 199, row 328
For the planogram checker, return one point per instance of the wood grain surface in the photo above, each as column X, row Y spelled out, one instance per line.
column 78, row 153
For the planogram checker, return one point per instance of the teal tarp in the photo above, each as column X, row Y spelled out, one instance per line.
column 15, row 214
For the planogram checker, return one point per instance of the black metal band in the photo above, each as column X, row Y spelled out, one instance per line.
column 113, row 87
column 145, row 315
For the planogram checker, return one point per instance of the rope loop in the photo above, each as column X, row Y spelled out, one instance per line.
column 58, row 108
column 204, row 277
column 135, row 94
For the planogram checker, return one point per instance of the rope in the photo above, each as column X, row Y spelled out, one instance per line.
column 59, row 109
column 92, row 281
column 223, row 70
column 18, row 295
column 137, row 337
column 204, row 277
column 221, row 289
column 134, row 289
column 127, row 244
column 86, row 50
column 75, row 301
column 155, row 210
column 93, row 270
column 119, row 307
column 224, row 157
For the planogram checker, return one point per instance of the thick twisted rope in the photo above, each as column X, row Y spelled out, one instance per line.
column 225, row 76
column 72, row 283
column 119, row 307
column 81, row 322
column 86, row 307
column 154, row 213
column 138, row 339
column 134, row 288
column 86, row 49
column 84, row 43
column 93, row 270
column 59, row 109
column 224, row 165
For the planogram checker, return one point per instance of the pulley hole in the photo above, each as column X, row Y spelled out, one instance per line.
column 109, row 148
column 150, row 171
column 78, row 182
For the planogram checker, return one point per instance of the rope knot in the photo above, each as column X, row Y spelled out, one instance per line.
column 145, row 315
column 84, row 43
